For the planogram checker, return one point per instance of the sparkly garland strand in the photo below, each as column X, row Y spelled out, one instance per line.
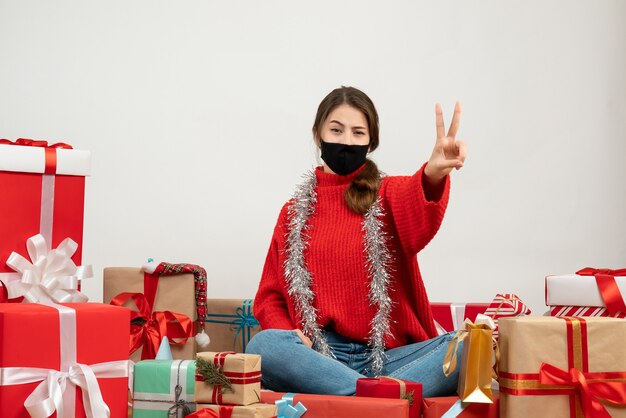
column 299, row 278
column 378, row 260
column 297, row 275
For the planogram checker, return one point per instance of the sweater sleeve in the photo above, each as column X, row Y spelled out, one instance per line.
column 270, row 304
column 416, row 210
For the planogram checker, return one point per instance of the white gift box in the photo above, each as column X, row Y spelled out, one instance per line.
column 577, row 290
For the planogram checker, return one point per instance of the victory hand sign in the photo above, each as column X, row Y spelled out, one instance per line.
column 448, row 152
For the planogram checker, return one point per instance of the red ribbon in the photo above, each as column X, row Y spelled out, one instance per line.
column 605, row 279
column 50, row 150
column 156, row 326
column 591, row 391
column 204, row 413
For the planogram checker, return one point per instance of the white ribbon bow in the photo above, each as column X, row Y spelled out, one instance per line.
column 48, row 395
column 50, row 277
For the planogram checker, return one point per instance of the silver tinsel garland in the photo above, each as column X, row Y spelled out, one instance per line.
column 299, row 278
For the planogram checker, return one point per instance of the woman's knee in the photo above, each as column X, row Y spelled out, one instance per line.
column 268, row 341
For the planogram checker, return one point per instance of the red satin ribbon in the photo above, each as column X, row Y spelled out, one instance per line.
column 219, row 360
column 591, row 392
column 150, row 286
column 204, row 413
column 25, row 142
column 50, row 151
column 157, row 325
column 605, row 279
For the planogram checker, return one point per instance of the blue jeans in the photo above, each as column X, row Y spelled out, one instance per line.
column 287, row 365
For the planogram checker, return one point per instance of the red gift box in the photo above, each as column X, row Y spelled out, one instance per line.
column 90, row 340
column 451, row 316
column 437, row 407
column 43, row 188
column 386, row 387
column 324, row 406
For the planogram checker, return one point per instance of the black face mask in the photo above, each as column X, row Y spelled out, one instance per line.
column 343, row 159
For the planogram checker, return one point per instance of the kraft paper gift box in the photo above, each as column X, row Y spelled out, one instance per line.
column 324, row 406
column 174, row 293
column 589, row 292
column 155, row 392
column 228, row 378
column 452, row 405
column 451, row 316
column 562, row 367
column 389, row 387
column 230, row 324
column 255, row 410
column 86, row 340
column 43, row 192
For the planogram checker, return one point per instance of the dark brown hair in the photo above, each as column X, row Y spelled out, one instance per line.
column 363, row 191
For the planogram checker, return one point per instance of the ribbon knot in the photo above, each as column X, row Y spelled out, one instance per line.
column 285, row 408
column 48, row 395
column 245, row 321
column 50, row 276
column 25, row 142
column 609, row 290
column 590, row 389
column 148, row 328
column 181, row 406
column 592, row 271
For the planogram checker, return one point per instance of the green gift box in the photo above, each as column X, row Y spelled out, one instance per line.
column 163, row 388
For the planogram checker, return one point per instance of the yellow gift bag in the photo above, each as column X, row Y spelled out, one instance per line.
column 477, row 357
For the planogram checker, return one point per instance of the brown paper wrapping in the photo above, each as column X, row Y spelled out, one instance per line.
column 223, row 335
column 241, row 394
column 526, row 342
column 175, row 293
column 476, row 365
column 256, row 410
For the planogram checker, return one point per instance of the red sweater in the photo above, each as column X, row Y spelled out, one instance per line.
column 336, row 260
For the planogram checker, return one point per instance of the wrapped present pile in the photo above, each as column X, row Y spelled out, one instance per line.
column 571, row 364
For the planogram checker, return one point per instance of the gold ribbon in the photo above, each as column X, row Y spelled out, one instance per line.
column 402, row 386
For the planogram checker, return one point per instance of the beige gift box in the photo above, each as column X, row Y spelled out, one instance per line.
column 243, row 371
column 224, row 317
column 256, row 410
column 175, row 293
column 590, row 345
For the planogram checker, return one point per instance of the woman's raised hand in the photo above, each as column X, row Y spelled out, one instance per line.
column 448, row 152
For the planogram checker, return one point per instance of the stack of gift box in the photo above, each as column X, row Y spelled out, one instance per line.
column 61, row 355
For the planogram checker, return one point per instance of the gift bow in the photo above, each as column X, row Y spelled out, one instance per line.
column 610, row 293
column 591, row 386
column 449, row 361
column 181, row 406
column 246, row 320
column 48, row 395
column 286, row 409
column 155, row 326
column 25, row 142
column 204, row 413
column 50, row 276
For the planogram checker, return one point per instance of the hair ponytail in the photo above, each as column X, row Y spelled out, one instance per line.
column 363, row 191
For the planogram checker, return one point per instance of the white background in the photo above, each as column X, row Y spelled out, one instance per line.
column 198, row 115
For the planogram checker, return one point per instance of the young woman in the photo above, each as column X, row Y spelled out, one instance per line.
column 341, row 296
